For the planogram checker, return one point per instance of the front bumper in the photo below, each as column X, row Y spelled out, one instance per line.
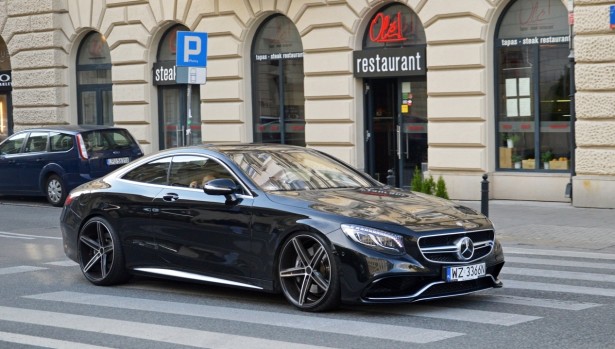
column 368, row 276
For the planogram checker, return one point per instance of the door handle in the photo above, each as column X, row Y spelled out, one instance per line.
column 398, row 142
column 170, row 197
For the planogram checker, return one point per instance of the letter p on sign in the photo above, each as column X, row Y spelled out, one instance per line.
column 191, row 49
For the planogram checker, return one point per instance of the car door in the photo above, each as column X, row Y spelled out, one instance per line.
column 202, row 233
column 33, row 159
column 131, row 202
column 10, row 163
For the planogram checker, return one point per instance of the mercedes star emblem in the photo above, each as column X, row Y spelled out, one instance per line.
column 465, row 248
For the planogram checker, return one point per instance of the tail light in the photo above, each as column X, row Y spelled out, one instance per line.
column 83, row 153
column 69, row 199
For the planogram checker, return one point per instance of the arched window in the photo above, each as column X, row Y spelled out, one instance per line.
column 94, row 81
column 533, row 86
column 277, row 77
column 177, row 128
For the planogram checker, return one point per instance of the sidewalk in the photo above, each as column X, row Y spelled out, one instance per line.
column 551, row 225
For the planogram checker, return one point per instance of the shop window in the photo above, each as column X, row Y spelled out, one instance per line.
column 94, row 87
column 277, row 75
column 533, row 87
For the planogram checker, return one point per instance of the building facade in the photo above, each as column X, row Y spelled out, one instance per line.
column 456, row 88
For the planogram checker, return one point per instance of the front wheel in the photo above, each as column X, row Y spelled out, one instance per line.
column 55, row 191
column 100, row 254
column 308, row 273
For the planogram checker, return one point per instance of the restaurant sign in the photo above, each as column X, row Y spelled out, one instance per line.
column 405, row 61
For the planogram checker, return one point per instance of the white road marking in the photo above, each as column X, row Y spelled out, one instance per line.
column 533, row 302
column 559, row 253
column 559, row 274
column 26, row 236
column 462, row 314
column 559, row 262
column 160, row 333
column 19, row 269
column 305, row 322
column 44, row 342
column 66, row 263
column 539, row 286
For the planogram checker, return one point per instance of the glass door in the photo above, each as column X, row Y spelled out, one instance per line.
column 396, row 128
column 380, row 131
column 411, row 128
column 177, row 128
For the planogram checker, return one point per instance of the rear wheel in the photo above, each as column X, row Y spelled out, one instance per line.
column 100, row 255
column 55, row 190
column 308, row 273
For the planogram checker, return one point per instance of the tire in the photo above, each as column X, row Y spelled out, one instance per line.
column 100, row 255
column 308, row 273
column 55, row 191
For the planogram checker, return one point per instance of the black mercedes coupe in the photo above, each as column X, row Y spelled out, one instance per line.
column 277, row 218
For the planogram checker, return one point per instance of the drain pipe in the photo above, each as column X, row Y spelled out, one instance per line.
column 568, row 192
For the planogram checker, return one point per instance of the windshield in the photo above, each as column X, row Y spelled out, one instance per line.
column 290, row 170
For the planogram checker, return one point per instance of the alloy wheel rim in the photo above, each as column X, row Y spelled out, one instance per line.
column 305, row 271
column 96, row 249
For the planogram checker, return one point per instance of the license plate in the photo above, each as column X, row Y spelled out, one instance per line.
column 466, row 272
column 118, row 161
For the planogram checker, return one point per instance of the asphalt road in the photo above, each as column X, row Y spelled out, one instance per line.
column 45, row 302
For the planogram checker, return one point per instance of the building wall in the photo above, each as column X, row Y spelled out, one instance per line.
column 594, row 183
column 43, row 37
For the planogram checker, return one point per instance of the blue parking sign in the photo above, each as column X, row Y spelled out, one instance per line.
column 191, row 49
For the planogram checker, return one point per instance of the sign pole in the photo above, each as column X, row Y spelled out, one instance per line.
column 191, row 61
column 189, row 109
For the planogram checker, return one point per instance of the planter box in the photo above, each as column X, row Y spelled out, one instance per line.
column 528, row 164
column 559, row 165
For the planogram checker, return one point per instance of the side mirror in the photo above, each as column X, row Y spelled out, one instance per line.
column 222, row 186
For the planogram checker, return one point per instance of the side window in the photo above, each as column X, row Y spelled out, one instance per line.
column 195, row 171
column 37, row 142
column 60, row 142
column 13, row 144
column 187, row 171
column 154, row 172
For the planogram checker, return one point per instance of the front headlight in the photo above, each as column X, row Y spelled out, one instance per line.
column 376, row 239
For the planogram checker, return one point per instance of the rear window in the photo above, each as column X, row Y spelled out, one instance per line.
column 107, row 140
column 60, row 142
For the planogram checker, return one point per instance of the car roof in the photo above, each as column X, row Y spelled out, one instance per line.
column 72, row 129
column 252, row 146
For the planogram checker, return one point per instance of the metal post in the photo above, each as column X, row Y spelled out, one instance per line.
column 391, row 178
column 484, row 198
column 189, row 114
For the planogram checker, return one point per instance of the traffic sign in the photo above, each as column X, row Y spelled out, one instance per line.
column 191, row 49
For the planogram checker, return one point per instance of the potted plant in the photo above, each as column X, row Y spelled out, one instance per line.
column 511, row 139
column 545, row 158
column 516, row 159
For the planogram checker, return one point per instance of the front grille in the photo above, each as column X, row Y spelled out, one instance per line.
column 442, row 248
column 454, row 288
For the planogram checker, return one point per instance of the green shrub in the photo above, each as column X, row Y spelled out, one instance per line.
column 428, row 185
column 441, row 188
column 417, row 180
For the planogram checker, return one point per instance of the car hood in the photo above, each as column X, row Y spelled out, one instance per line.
column 416, row 211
